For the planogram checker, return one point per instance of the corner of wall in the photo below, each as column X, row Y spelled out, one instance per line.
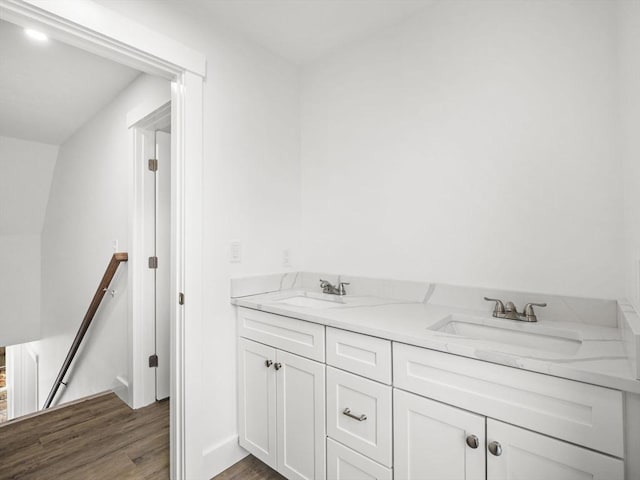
column 220, row 456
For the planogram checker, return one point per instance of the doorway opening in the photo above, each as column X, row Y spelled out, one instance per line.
column 18, row 382
column 152, row 139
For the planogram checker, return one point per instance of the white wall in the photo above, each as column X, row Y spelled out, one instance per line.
column 474, row 144
column 26, row 169
column 19, row 288
column 87, row 211
column 252, row 189
column 629, row 57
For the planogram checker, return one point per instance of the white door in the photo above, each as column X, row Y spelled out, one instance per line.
column 301, row 417
column 257, row 400
column 515, row 453
column 435, row 441
column 162, row 251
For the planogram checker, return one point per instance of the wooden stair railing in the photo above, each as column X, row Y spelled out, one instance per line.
column 116, row 259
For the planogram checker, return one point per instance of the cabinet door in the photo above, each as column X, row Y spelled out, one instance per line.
column 430, row 440
column 257, row 400
column 301, row 417
column 526, row 455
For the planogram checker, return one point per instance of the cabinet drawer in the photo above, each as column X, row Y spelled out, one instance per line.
column 359, row 414
column 296, row 336
column 361, row 354
column 584, row 414
column 345, row 464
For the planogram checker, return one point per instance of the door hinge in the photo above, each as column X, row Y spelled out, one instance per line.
column 153, row 262
column 153, row 164
column 153, row 361
column 181, row 298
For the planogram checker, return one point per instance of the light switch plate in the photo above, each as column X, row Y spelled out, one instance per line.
column 235, row 252
column 286, row 257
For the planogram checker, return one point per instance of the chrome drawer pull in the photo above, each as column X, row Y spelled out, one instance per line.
column 360, row 418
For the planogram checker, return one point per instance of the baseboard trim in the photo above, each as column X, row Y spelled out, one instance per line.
column 121, row 389
column 217, row 458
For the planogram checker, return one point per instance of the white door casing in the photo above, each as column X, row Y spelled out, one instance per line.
column 97, row 29
column 163, row 273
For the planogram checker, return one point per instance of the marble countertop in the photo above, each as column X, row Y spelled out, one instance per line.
column 600, row 359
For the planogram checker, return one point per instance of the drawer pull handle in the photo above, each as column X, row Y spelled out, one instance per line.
column 268, row 363
column 495, row 448
column 473, row 441
column 360, row 418
column 277, row 366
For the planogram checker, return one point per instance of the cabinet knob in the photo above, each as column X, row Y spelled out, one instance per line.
column 495, row 449
column 473, row 441
column 268, row 363
column 277, row 366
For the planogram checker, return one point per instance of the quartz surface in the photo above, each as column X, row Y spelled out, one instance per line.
column 601, row 359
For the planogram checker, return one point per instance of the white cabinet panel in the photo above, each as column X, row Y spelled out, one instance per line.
column 295, row 336
column 300, row 417
column 257, row 400
column 430, row 440
column 527, row 455
column 584, row 414
column 366, row 425
column 346, row 464
column 361, row 354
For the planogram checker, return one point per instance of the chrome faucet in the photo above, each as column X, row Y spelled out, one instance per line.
column 509, row 310
column 333, row 289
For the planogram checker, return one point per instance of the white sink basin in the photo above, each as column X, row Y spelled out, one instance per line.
column 509, row 332
column 309, row 302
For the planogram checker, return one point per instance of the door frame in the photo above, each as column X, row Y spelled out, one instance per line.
column 92, row 27
column 141, row 122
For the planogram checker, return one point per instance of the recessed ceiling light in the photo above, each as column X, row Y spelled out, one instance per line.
column 36, row 35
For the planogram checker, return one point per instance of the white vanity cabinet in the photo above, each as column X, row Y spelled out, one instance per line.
column 281, row 397
column 432, row 435
column 435, row 441
column 318, row 402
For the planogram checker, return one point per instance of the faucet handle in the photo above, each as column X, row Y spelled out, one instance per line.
column 529, row 313
column 499, row 306
column 341, row 289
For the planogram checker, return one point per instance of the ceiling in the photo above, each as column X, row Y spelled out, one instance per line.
column 304, row 30
column 48, row 90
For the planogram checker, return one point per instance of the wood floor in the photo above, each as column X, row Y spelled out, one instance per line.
column 101, row 438
column 250, row 468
